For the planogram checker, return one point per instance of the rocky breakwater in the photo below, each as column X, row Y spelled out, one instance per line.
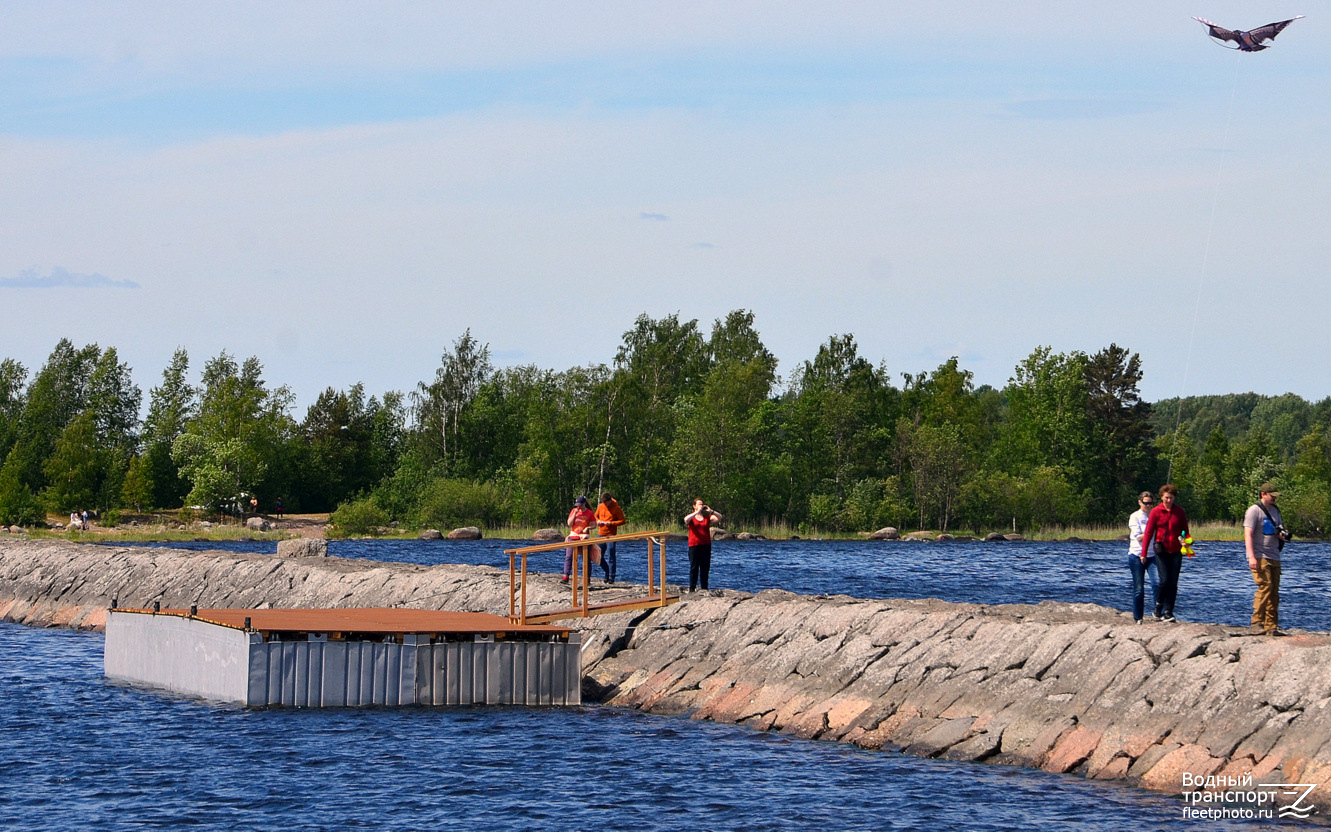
column 1062, row 687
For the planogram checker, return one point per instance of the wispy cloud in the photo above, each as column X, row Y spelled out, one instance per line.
column 1075, row 108
column 645, row 215
column 59, row 278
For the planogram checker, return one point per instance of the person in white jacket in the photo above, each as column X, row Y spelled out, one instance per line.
column 1140, row 565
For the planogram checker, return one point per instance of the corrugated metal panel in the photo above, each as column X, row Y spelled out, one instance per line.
column 334, row 693
column 480, row 657
column 274, row 660
column 257, row 695
column 533, row 674
column 545, row 678
column 365, row 684
column 465, row 665
column 408, row 680
column 314, row 674
column 301, row 690
column 572, row 669
column 499, row 676
column 519, row 673
column 353, row 674
column 453, row 674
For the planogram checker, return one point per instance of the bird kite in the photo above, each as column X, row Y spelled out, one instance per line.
column 1253, row 40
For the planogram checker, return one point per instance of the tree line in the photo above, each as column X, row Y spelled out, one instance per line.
column 678, row 412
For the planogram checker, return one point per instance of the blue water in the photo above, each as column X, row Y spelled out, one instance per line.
column 81, row 753
column 1215, row 586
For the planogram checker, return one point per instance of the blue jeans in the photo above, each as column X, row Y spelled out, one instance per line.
column 568, row 557
column 1139, row 571
column 609, row 561
column 1169, row 564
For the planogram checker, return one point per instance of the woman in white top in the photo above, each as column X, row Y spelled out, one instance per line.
column 1141, row 564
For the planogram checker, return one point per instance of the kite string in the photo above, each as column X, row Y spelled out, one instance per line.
column 1201, row 280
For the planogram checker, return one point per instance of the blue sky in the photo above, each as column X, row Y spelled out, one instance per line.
column 342, row 189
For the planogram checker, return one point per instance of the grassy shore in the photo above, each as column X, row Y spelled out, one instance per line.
column 147, row 534
column 165, row 526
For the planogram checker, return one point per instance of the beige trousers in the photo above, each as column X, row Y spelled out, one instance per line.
column 1266, row 600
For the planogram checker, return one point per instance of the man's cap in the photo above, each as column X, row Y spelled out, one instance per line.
column 1268, row 488
column 582, row 501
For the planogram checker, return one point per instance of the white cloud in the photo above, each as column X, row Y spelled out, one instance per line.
column 59, row 278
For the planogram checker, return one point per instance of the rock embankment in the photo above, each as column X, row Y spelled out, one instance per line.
column 1062, row 687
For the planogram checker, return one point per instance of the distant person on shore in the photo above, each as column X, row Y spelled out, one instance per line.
column 699, row 524
column 254, row 504
column 84, row 527
column 74, row 521
column 277, row 507
column 1165, row 525
column 609, row 517
column 1264, row 535
column 580, row 519
column 1141, row 561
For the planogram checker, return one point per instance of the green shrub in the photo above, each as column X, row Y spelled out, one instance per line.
column 449, row 503
column 358, row 517
column 823, row 510
column 652, row 509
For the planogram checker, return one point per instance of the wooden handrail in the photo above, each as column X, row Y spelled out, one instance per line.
column 564, row 544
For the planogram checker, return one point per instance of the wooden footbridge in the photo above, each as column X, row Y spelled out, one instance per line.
column 580, row 582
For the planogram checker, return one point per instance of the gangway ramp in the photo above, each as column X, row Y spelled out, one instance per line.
column 581, row 605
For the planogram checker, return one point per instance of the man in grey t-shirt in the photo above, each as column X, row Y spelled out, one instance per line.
column 1262, row 542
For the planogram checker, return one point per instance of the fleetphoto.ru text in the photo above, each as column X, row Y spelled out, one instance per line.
column 1221, row 797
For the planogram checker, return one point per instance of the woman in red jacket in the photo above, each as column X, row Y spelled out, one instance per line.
column 1166, row 524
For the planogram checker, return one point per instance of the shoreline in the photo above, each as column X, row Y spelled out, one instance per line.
column 1067, row 688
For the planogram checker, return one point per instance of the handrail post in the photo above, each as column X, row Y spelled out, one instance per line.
column 524, row 589
column 663, row 565
column 512, row 584
column 586, row 576
column 650, row 579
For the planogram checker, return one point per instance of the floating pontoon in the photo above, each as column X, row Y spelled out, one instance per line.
column 320, row 658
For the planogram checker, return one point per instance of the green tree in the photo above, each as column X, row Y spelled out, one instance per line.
column 57, row 395
column 239, row 441
column 838, row 415
column 1048, row 423
column 991, row 500
column 170, row 407
column 724, row 446
column 12, row 376
column 18, row 505
column 349, row 446
column 77, row 468
column 939, row 465
column 219, row 470
column 947, row 396
column 440, row 405
column 660, row 361
column 1121, row 456
column 138, row 489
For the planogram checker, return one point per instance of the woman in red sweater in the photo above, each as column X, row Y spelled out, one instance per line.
column 1166, row 524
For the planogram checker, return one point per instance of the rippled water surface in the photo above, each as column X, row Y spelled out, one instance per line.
column 1215, row 586
column 81, row 753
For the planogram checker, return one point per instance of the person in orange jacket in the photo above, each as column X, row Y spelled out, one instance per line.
column 609, row 517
